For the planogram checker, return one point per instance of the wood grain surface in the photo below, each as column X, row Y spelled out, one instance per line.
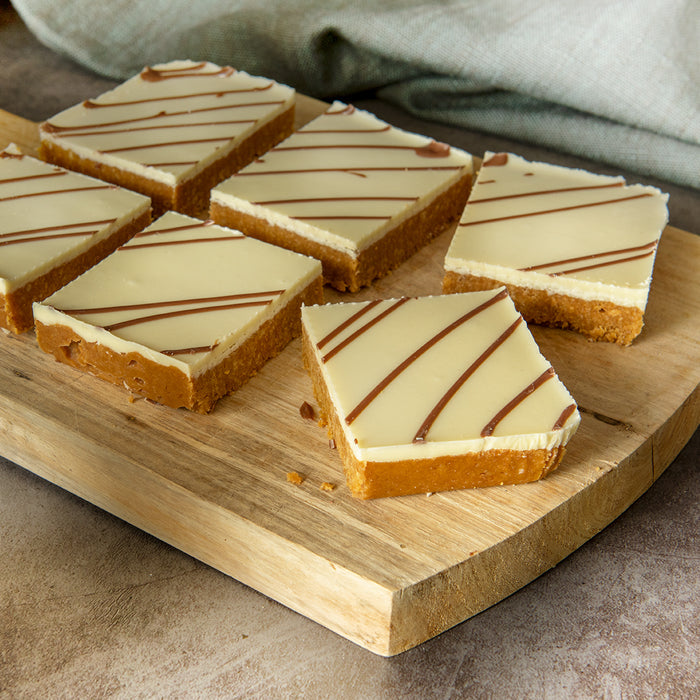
column 386, row 574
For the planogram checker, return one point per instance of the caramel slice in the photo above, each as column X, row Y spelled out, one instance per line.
column 54, row 225
column 173, row 131
column 434, row 393
column 351, row 190
column 183, row 314
column 575, row 249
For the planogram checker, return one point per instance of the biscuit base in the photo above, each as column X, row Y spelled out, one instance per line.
column 369, row 480
column 190, row 196
column 596, row 320
column 169, row 385
column 346, row 272
column 16, row 306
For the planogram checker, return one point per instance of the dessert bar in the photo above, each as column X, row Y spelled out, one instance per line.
column 54, row 225
column 435, row 393
column 351, row 190
column 172, row 131
column 575, row 249
column 183, row 314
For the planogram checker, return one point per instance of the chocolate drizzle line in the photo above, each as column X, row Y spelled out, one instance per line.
column 186, row 312
column 53, row 128
column 338, row 217
column 433, row 149
column 46, row 229
column 345, row 131
column 362, row 329
column 342, row 217
column 169, row 229
column 348, row 322
column 421, row 151
column 49, row 192
column 314, row 200
column 554, row 211
column 354, row 171
column 33, row 239
column 189, row 351
column 170, row 302
column 371, row 395
column 565, row 414
column 165, row 144
column 23, row 178
column 529, row 389
column 592, row 256
column 181, row 125
column 496, row 159
column 541, row 192
column 184, row 69
column 154, row 75
column 91, row 104
column 348, row 109
column 631, row 258
column 183, row 241
column 447, row 396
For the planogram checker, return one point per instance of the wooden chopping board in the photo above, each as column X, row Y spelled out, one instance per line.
column 386, row 574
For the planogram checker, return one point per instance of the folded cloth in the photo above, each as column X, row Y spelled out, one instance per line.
column 612, row 80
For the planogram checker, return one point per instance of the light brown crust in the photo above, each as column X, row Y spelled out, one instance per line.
column 597, row 320
column 367, row 480
column 16, row 307
column 189, row 196
column 342, row 270
column 168, row 385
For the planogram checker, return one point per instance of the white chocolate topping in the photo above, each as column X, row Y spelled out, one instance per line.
column 566, row 231
column 171, row 120
column 344, row 179
column 427, row 377
column 49, row 215
column 183, row 293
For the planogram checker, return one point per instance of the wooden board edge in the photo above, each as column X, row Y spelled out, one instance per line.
column 528, row 554
column 675, row 433
column 424, row 610
column 383, row 621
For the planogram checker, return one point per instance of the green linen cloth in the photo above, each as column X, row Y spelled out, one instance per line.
column 612, row 80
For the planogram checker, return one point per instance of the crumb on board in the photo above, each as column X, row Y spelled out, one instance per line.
column 327, row 486
column 295, row 478
column 307, row 411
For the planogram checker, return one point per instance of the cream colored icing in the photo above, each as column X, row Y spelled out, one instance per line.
column 49, row 216
column 523, row 214
column 343, row 179
column 194, row 116
column 220, row 286
column 384, row 430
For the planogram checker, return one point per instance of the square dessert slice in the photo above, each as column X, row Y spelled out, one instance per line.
column 54, row 225
column 575, row 250
column 435, row 393
column 183, row 314
column 173, row 131
column 351, row 190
